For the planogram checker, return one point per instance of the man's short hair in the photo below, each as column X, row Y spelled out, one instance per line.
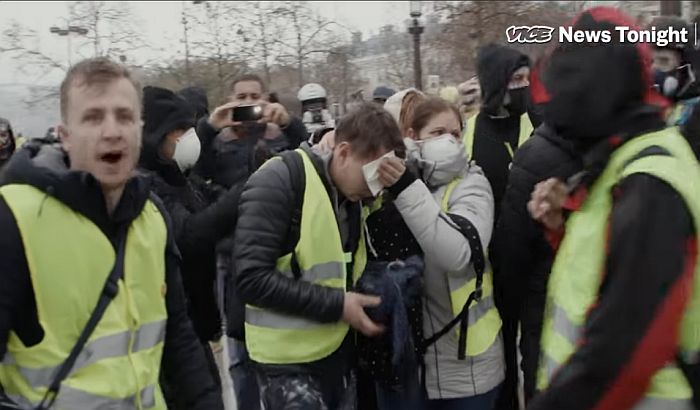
column 98, row 71
column 248, row 77
column 369, row 129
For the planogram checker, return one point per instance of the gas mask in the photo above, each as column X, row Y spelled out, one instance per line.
column 187, row 150
column 677, row 84
column 441, row 159
column 515, row 101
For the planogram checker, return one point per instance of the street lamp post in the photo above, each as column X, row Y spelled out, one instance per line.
column 66, row 32
column 416, row 30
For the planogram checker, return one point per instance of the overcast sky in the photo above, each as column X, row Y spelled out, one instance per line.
column 161, row 28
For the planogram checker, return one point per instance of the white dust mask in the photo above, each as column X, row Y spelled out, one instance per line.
column 187, row 150
column 442, row 159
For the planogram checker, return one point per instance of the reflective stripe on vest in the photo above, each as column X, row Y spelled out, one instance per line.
column 575, row 278
column 277, row 338
column 484, row 320
column 70, row 398
column 526, row 129
column 121, row 360
column 147, row 336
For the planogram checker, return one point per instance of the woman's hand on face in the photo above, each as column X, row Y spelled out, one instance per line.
column 390, row 171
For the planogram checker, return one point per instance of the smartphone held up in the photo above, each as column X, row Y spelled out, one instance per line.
column 247, row 113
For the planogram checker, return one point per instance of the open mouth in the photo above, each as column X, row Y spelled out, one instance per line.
column 112, row 157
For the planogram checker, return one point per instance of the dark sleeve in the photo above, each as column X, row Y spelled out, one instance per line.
column 184, row 362
column 632, row 330
column 18, row 311
column 206, row 132
column 264, row 216
column 295, row 132
column 200, row 231
column 521, row 253
column 516, row 241
column 206, row 163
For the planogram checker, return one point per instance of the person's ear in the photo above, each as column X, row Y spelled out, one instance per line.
column 342, row 153
column 64, row 136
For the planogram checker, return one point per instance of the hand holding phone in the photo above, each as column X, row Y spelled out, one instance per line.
column 247, row 113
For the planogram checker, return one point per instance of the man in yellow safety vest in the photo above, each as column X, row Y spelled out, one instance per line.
column 622, row 320
column 91, row 302
column 299, row 248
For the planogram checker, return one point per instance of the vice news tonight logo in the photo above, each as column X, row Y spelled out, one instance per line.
column 544, row 34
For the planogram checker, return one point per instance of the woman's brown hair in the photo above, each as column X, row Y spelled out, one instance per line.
column 429, row 108
column 408, row 106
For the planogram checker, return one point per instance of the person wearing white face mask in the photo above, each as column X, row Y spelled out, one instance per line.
column 201, row 215
column 438, row 205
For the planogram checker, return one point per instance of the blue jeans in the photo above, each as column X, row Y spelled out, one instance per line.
column 245, row 384
column 416, row 399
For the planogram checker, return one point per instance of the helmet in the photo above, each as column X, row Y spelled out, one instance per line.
column 311, row 91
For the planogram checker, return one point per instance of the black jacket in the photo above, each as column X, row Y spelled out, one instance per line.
column 495, row 68
column 183, row 357
column 232, row 162
column 521, row 255
column 631, row 331
column 201, row 216
column 264, row 216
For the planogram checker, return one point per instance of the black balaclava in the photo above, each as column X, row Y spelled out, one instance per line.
column 601, row 93
column 599, row 89
column 197, row 97
column 163, row 112
column 495, row 67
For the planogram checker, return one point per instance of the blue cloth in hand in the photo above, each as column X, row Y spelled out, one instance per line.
column 400, row 286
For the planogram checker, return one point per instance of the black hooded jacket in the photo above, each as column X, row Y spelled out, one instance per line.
column 521, row 254
column 495, row 66
column 601, row 98
column 201, row 214
column 183, row 357
column 197, row 98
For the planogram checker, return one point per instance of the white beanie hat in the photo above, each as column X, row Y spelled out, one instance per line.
column 393, row 103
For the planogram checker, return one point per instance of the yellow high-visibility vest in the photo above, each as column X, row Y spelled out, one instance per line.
column 276, row 338
column 69, row 259
column 526, row 129
column 484, row 319
column 575, row 279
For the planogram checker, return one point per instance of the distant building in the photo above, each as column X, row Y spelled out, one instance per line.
column 387, row 57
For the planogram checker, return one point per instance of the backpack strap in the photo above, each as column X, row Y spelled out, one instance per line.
column 297, row 177
column 109, row 291
column 478, row 259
